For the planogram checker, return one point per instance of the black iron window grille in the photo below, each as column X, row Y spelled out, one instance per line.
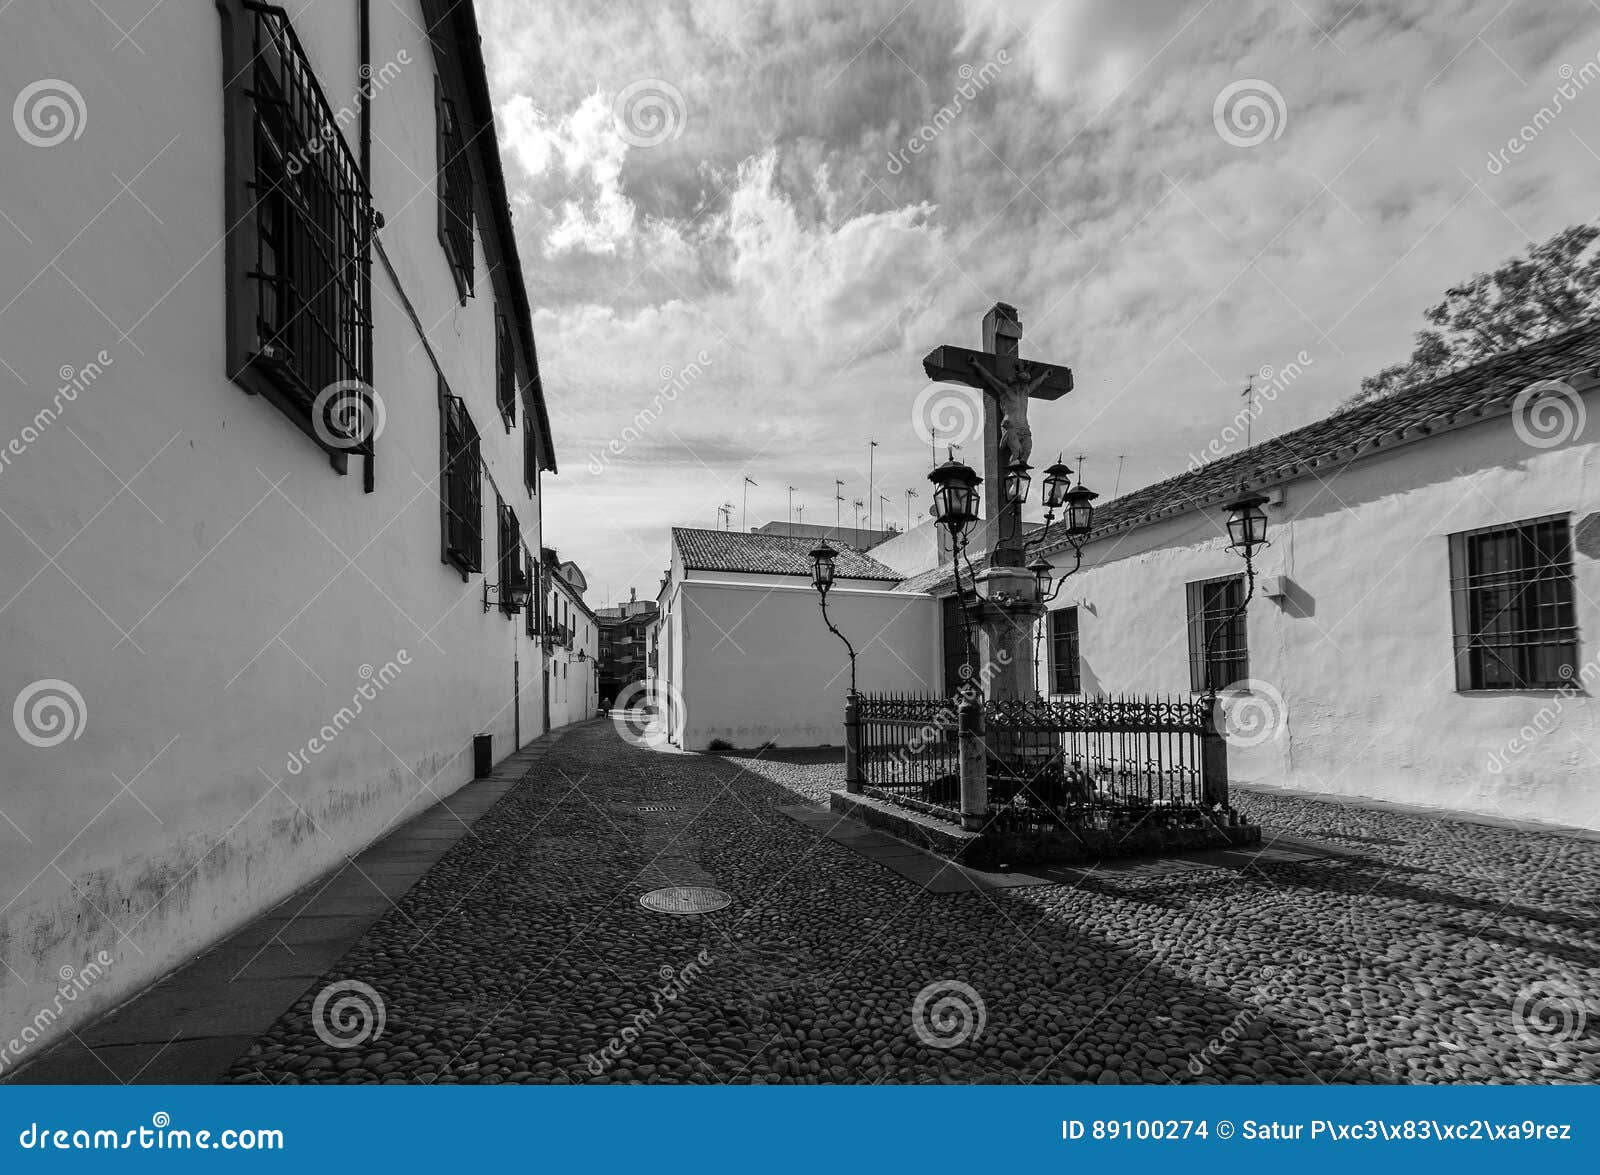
column 505, row 352
column 1064, row 677
column 535, row 593
column 455, row 195
column 461, row 503
column 1217, row 633
column 1511, row 591
column 510, row 561
column 300, row 225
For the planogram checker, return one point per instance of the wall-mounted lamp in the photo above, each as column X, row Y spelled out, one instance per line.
column 512, row 594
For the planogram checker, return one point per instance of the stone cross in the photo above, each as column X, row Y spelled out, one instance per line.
column 1008, row 383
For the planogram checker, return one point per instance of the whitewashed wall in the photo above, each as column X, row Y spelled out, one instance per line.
column 574, row 685
column 751, row 662
column 218, row 611
column 1361, row 650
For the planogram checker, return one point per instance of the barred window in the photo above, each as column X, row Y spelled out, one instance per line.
column 510, row 561
column 1216, row 618
column 1511, row 593
column 1064, row 676
column 535, row 593
column 505, row 352
column 461, row 503
column 299, row 220
column 455, row 193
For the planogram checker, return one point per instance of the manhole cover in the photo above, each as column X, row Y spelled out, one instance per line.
column 685, row 899
column 658, row 808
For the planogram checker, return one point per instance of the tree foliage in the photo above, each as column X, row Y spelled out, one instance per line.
column 1557, row 285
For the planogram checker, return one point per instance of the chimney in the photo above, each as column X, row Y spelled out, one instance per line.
column 633, row 595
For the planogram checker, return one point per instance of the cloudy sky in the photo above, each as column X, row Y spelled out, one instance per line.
column 726, row 225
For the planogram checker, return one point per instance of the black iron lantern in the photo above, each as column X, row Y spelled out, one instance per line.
column 822, row 558
column 1057, row 481
column 1080, row 510
column 955, row 495
column 1247, row 523
column 521, row 590
column 1041, row 575
column 1018, row 481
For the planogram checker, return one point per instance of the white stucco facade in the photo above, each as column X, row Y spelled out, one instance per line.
column 1360, row 647
column 746, row 660
column 274, row 667
column 572, row 680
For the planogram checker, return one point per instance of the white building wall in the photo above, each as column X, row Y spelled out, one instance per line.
column 575, row 692
column 753, row 663
column 218, row 610
column 1361, row 651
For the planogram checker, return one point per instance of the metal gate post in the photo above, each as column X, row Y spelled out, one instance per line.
column 852, row 743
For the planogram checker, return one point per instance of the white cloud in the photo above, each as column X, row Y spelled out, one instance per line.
column 1161, row 262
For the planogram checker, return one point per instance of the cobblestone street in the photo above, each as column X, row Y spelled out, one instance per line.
column 1433, row 951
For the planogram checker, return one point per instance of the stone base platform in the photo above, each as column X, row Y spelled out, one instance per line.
column 993, row 848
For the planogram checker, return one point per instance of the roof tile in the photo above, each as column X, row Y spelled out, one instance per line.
column 768, row 554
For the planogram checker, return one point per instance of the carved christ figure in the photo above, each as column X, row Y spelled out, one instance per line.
column 1016, row 437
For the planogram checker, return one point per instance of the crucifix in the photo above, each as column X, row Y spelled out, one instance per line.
column 1008, row 383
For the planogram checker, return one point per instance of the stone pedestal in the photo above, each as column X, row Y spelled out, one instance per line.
column 1005, row 632
column 1005, row 667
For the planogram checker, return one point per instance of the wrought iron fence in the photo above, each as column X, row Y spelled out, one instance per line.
column 1052, row 763
column 908, row 752
column 1057, row 761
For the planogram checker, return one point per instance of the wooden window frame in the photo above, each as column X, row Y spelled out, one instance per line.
column 509, row 554
column 1204, row 608
column 1066, row 657
column 457, row 192
column 505, row 370
column 297, row 253
column 461, row 485
column 1514, row 626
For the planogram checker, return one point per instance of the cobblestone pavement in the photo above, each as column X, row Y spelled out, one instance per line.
column 1440, row 951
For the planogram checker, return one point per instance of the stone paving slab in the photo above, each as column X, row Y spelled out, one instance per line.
column 191, row 1025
